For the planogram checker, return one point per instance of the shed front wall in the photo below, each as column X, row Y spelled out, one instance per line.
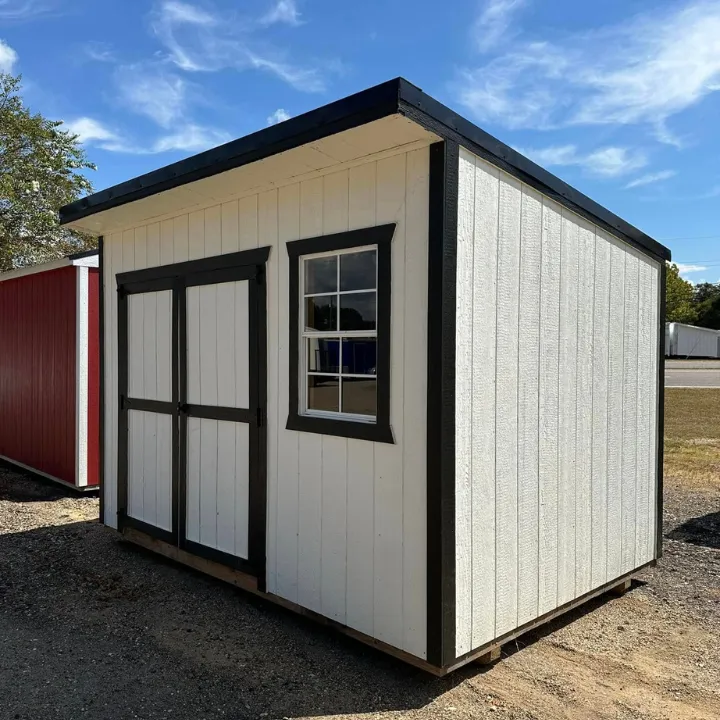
column 346, row 518
column 556, row 413
column 38, row 372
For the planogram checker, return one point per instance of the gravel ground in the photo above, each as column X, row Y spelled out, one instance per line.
column 93, row 627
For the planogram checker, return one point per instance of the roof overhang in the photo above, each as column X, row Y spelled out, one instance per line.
column 391, row 115
column 84, row 259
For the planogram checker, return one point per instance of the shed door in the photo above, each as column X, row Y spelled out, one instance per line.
column 192, row 447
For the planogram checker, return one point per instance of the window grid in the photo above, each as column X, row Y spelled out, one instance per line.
column 336, row 334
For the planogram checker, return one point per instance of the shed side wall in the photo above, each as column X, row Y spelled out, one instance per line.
column 93, row 364
column 346, row 517
column 556, row 388
column 38, row 371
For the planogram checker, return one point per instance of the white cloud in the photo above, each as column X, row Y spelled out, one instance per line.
column 198, row 40
column 687, row 269
column 284, row 11
column 643, row 70
column 604, row 162
column 24, row 9
column 191, row 138
column 8, row 57
column 99, row 51
column 650, row 178
column 493, row 22
column 278, row 116
column 152, row 91
column 89, row 130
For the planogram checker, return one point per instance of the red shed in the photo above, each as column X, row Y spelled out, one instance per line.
column 49, row 369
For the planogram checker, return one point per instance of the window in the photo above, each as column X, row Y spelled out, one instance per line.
column 340, row 334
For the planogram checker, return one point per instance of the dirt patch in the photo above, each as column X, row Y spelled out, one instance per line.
column 93, row 627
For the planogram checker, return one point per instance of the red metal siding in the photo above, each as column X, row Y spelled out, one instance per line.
column 93, row 438
column 37, row 371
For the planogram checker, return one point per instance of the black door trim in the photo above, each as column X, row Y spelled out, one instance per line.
column 247, row 265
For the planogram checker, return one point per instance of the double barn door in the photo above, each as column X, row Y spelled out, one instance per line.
column 192, row 385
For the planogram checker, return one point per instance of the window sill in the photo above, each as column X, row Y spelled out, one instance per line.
column 372, row 432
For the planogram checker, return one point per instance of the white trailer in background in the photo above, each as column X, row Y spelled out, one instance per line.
column 691, row 341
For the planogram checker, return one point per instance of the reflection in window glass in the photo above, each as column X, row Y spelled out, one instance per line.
column 323, row 355
column 358, row 270
column 323, row 393
column 321, row 313
column 357, row 311
column 359, row 396
column 359, row 356
column 321, row 275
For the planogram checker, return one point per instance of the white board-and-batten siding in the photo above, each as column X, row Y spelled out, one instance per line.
column 556, row 385
column 346, row 518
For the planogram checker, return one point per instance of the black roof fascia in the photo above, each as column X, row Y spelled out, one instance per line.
column 84, row 254
column 389, row 98
column 353, row 111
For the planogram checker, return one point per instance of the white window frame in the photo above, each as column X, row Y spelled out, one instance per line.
column 305, row 334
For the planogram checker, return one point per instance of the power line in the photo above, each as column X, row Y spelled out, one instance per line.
column 691, row 237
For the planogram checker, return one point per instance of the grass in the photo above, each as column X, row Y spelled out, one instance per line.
column 692, row 437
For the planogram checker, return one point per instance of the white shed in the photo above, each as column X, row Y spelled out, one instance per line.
column 686, row 341
column 364, row 363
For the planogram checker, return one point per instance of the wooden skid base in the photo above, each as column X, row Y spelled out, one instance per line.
column 484, row 655
column 249, row 583
column 487, row 650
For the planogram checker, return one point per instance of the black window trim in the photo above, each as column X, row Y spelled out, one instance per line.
column 380, row 430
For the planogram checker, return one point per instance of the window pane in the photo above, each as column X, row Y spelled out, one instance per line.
column 321, row 275
column 359, row 396
column 359, row 356
column 357, row 311
column 321, row 313
column 323, row 355
column 323, row 393
column 357, row 270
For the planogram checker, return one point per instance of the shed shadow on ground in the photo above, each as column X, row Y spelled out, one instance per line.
column 21, row 486
column 150, row 638
column 703, row 530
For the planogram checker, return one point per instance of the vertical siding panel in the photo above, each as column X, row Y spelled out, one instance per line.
column 213, row 231
column 167, row 244
column 360, row 533
column 193, row 479
column 310, row 491
column 646, row 380
column 390, row 207
column 485, row 256
column 506, row 409
column 268, row 235
column 248, row 222
column 128, row 263
column 600, row 420
column 528, row 410
column 140, row 248
column 584, row 409
column 152, row 258
column 242, row 488
column 135, row 449
column 112, row 260
column 287, row 482
column 193, row 392
column 229, row 241
column 208, row 481
column 548, row 474
column 334, row 451
column 630, row 386
column 164, row 472
column 463, row 409
column 334, row 528
column 568, row 401
column 653, row 419
column 361, row 455
column 310, row 462
column 615, row 411
column 415, row 410
column 180, row 238
column 230, row 497
column 196, row 235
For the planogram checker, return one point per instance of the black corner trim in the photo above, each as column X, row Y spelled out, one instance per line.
column 660, row 415
column 101, row 389
column 442, row 266
column 379, row 431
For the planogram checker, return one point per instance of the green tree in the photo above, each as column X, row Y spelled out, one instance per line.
column 41, row 169
column 679, row 305
column 708, row 312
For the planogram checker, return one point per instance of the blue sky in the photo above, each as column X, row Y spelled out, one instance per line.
column 621, row 98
